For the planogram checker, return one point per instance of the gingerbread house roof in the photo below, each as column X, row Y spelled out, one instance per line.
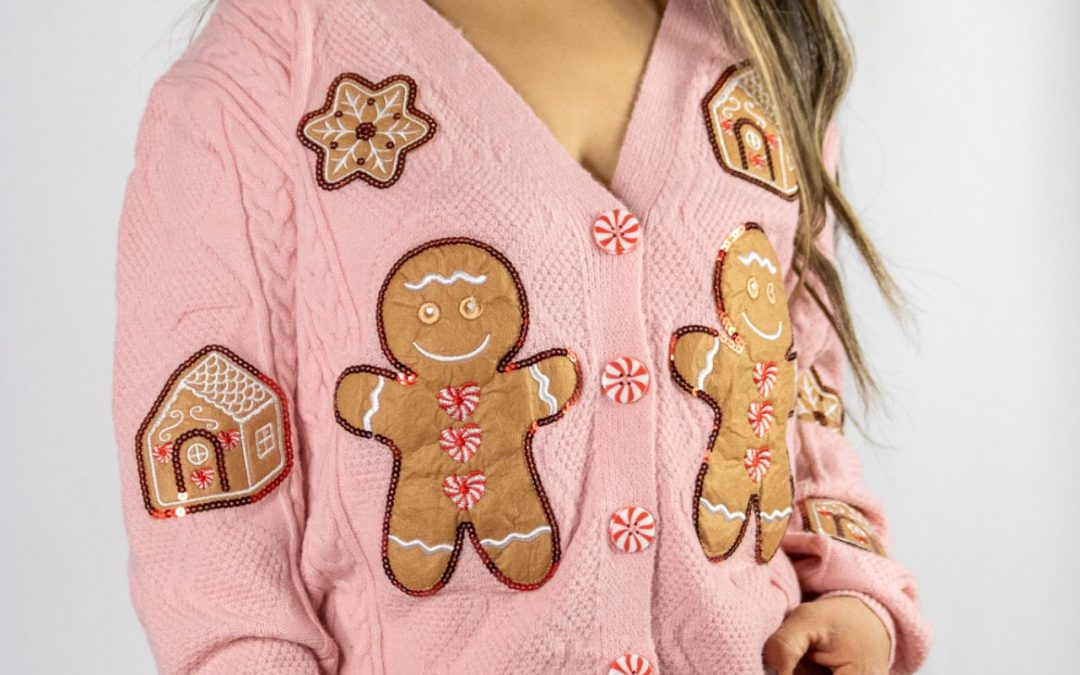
column 221, row 382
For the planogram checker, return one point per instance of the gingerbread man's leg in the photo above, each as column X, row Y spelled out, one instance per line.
column 723, row 505
column 774, row 507
column 422, row 544
column 514, row 528
column 512, row 525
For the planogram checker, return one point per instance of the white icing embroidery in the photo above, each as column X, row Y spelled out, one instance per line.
column 374, row 403
column 166, row 432
column 264, row 440
column 770, row 516
column 710, row 359
column 722, row 510
column 515, row 536
column 227, row 387
column 446, row 280
column 197, row 410
column 198, row 454
column 771, row 337
column 450, row 358
column 488, row 543
column 544, row 383
column 416, row 543
column 767, row 516
column 755, row 257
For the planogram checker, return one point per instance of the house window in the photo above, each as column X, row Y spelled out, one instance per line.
column 264, row 440
column 198, row 453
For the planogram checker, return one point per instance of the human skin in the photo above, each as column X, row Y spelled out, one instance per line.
column 577, row 65
column 840, row 633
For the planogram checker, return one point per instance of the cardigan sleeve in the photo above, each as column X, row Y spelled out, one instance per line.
column 838, row 542
column 206, row 248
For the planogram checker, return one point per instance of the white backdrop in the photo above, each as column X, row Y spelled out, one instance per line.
column 962, row 147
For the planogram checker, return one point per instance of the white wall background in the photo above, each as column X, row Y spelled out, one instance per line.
column 962, row 153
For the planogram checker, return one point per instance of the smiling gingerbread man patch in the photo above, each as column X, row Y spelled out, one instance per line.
column 746, row 374
column 459, row 414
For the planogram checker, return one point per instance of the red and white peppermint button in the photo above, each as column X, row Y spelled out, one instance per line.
column 625, row 380
column 631, row 664
column 632, row 529
column 616, row 231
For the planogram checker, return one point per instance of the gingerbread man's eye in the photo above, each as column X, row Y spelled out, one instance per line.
column 770, row 291
column 471, row 308
column 752, row 288
column 429, row 313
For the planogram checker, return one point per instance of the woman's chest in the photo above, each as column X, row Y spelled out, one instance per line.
column 577, row 66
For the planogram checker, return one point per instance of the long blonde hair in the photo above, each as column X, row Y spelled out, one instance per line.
column 802, row 54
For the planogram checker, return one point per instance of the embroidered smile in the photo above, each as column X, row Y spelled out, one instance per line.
column 450, row 358
column 762, row 334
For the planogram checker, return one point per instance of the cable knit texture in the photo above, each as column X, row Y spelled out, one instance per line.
column 227, row 239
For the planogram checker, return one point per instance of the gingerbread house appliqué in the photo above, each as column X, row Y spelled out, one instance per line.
column 217, row 436
column 744, row 133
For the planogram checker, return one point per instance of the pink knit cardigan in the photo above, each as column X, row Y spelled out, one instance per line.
column 230, row 237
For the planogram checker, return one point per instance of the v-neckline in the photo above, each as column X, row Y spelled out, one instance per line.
column 633, row 151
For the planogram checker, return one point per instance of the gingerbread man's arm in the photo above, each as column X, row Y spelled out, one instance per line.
column 365, row 399
column 696, row 354
column 552, row 380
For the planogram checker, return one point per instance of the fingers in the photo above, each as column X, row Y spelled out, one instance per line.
column 838, row 633
column 789, row 643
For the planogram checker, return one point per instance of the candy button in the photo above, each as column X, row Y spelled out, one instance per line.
column 631, row 664
column 625, row 380
column 616, row 231
column 632, row 529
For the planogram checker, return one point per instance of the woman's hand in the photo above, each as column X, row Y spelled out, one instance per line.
column 841, row 633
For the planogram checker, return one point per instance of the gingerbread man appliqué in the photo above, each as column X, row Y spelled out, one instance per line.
column 746, row 373
column 459, row 415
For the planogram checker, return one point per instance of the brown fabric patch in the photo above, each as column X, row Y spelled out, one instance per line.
column 817, row 402
column 840, row 521
column 744, row 136
column 365, row 130
column 459, row 414
column 746, row 374
column 217, row 436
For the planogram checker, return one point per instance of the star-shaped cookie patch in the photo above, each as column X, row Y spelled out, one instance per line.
column 365, row 130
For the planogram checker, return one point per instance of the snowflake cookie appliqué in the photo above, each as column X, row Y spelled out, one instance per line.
column 744, row 133
column 217, row 436
column 459, row 415
column 746, row 373
column 365, row 130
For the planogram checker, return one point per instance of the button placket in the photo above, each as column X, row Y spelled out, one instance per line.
column 631, row 529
